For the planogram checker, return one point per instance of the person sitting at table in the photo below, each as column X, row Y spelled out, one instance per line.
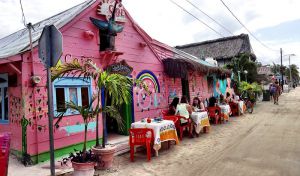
column 222, row 100
column 198, row 104
column 212, row 101
column 173, row 106
column 183, row 108
column 228, row 98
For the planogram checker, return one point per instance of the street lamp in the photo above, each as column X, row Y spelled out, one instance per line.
column 239, row 76
column 246, row 72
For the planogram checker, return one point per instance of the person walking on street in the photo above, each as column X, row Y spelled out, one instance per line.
column 275, row 91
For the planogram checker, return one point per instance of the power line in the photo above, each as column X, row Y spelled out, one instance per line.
column 226, row 29
column 246, row 28
column 23, row 15
column 197, row 18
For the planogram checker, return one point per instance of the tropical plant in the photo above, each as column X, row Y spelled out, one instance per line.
column 116, row 86
column 245, row 87
column 239, row 64
column 87, row 113
column 294, row 72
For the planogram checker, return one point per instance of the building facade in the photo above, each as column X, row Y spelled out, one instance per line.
column 24, row 100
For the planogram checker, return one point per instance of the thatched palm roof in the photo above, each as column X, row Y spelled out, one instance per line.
column 179, row 63
column 222, row 48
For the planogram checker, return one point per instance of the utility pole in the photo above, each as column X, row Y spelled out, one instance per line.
column 281, row 69
column 291, row 80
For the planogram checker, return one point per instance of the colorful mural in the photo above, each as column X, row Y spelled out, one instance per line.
column 78, row 128
column 219, row 87
column 222, row 87
column 145, row 101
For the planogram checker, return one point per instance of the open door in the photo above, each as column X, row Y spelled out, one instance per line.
column 185, row 88
column 126, row 112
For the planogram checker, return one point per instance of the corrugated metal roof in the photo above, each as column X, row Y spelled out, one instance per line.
column 18, row 42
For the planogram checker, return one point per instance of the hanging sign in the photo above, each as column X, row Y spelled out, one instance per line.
column 106, row 8
column 121, row 68
column 264, row 70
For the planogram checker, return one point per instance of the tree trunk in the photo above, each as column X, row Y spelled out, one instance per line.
column 104, row 120
column 97, row 119
column 85, row 139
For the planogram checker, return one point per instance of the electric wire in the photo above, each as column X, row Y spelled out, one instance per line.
column 23, row 15
column 247, row 28
column 226, row 29
column 197, row 18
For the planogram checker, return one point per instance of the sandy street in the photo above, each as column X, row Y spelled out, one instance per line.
column 264, row 143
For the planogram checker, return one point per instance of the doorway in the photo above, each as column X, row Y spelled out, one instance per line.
column 126, row 112
column 185, row 88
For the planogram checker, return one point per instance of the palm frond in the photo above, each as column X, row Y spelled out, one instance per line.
column 114, row 113
column 75, row 68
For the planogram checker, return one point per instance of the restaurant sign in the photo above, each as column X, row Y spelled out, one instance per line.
column 106, row 8
column 121, row 68
column 264, row 70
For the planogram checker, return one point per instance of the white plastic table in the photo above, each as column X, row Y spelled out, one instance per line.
column 201, row 120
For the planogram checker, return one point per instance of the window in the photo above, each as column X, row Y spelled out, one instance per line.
column 76, row 90
column 3, row 98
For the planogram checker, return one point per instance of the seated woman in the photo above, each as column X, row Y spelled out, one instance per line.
column 222, row 100
column 212, row 101
column 173, row 106
column 228, row 98
column 198, row 104
column 183, row 108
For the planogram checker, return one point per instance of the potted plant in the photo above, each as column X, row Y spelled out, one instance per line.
column 83, row 162
column 116, row 86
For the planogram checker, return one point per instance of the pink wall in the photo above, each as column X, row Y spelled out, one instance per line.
column 14, row 110
column 198, row 86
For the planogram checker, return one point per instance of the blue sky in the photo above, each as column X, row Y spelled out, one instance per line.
column 284, row 32
column 275, row 23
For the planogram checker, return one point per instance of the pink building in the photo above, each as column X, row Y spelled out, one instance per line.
column 23, row 99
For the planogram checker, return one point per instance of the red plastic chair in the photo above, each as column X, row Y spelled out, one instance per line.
column 221, row 115
column 164, row 112
column 172, row 118
column 182, row 126
column 234, row 108
column 4, row 154
column 214, row 113
column 140, row 136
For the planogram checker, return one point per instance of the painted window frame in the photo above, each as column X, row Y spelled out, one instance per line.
column 67, row 83
column 2, row 87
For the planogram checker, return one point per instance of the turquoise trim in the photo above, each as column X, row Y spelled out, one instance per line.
column 4, row 122
column 3, row 94
column 78, row 128
column 67, row 83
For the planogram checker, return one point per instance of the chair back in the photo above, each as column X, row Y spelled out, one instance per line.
column 212, row 111
column 172, row 118
column 164, row 112
column 140, row 136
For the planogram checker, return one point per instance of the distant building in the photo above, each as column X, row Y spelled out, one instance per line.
column 222, row 49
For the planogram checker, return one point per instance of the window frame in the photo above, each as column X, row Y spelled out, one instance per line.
column 2, row 87
column 71, row 82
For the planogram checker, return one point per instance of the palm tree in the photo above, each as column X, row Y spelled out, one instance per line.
column 116, row 86
column 87, row 113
